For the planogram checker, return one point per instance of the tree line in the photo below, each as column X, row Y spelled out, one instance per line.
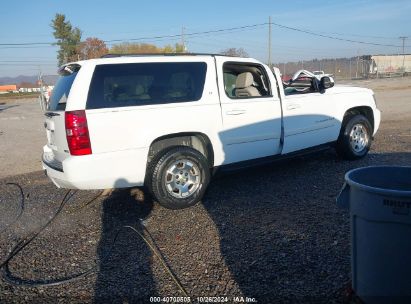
column 73, row 48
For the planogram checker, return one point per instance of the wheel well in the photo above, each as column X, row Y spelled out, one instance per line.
column 198, row 141
column 365, row 111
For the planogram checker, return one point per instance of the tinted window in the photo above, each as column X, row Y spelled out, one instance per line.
column 61, row 91
column 122, row 85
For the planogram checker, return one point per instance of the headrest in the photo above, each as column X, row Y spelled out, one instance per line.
column 139, row 89
column 244, row 80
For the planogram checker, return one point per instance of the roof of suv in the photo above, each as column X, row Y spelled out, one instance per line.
column 163, row 54
column 157, row 57
column 110, row 57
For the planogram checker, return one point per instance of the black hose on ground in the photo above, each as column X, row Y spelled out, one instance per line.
column 8, row 276
column 4, row 266
column 21, row 205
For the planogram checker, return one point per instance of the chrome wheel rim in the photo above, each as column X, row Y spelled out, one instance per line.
column 358, row 138
column 182, row 178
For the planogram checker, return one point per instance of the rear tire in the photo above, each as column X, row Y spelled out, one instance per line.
column 355, row 137
column 178, row 177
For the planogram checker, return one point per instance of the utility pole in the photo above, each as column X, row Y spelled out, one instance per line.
column 403, row 54
column 42, row 95
column 183, row 40
column 335, row 68
column 358, row 58
column 269, row 42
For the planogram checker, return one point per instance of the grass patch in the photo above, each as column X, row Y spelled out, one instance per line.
column 13, row 96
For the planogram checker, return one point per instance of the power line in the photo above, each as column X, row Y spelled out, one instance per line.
column 145, row 38
column 27, row 61
column 191, row 34
column 250, row 43
column 356, row 35
column 27, row 47
column 33, row 58
column 27, row 43
column 199, row 33
column 331, row 37
column 27, row 64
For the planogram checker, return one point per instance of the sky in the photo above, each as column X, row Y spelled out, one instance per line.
column 378, row 22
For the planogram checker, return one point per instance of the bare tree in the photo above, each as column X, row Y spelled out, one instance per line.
column 144, row 48
column 177, row 48
column 234, row 52
column 134, row 48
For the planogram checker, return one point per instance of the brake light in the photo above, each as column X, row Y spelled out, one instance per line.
column 78, row 138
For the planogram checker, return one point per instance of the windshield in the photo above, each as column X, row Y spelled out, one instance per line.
column 61, row 92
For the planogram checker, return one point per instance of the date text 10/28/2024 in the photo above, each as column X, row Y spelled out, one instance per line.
column 202, row 300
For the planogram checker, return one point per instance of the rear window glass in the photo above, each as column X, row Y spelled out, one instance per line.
column 133, row 84
column 61, row 91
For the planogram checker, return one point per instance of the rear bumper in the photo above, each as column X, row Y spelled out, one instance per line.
column 98, row 171
column 51, row 163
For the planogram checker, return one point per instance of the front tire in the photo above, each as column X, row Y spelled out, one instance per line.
column 355, row 137
column 178, row 177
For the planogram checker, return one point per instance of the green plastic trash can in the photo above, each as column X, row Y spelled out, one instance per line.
column 379, row 200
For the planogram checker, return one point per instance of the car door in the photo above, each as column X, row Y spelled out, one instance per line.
column 309, row 120
column 251, row 124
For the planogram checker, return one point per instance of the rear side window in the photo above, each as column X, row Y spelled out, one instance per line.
column 134, row 84
column 61, row 92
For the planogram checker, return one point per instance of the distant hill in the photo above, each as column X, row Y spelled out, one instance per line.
column 18, row 79
column 48, row 79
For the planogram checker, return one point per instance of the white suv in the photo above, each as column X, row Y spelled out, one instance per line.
column 167, row 121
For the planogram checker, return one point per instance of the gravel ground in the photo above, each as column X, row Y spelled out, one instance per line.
column 22, row 136
column 272, row 233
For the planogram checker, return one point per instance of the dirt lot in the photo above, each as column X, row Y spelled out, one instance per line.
column 22, row 136
column 273, row 233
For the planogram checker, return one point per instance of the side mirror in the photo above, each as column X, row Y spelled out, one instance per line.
column 326, row 82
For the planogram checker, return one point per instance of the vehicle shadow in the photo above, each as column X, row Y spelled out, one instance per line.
column 124, row 274
column 4, row 107
column 282, row 236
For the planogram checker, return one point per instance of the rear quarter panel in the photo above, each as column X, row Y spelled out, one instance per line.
column 79, row 90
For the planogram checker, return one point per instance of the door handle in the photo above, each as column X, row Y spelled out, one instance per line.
column 293, row 106
column 236, row 112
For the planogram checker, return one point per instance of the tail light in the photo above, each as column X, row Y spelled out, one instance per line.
column 78, row 138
